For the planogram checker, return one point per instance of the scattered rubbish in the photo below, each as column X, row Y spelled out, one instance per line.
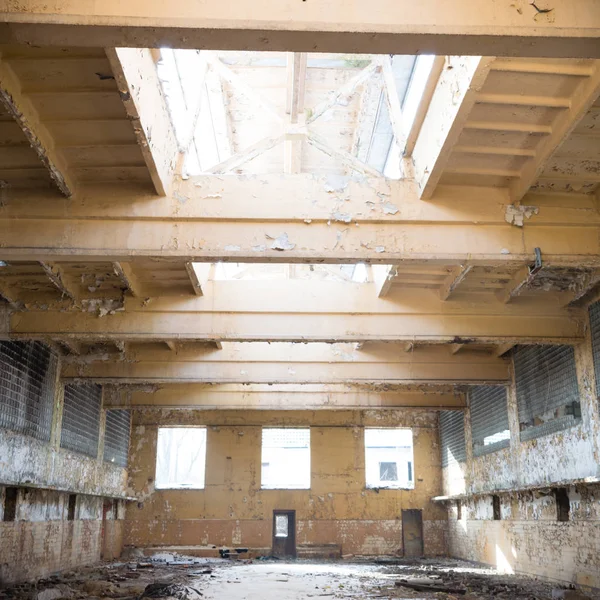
column 428, row 587
column 171, row 590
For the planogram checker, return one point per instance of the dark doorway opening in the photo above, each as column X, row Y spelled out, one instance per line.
column 412, row 533
column 284, row 533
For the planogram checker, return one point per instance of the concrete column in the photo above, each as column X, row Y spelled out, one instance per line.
column 586, row 380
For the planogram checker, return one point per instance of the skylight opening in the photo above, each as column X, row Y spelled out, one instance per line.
column 354, row 273
column 233, row 112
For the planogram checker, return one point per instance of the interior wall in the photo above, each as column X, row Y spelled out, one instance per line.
column 43, row 536
column 232, row 510
column 528, row 537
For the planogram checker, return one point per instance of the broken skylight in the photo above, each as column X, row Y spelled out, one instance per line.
column 277, row 112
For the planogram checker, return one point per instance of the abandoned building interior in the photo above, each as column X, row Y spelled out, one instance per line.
column 300, row 281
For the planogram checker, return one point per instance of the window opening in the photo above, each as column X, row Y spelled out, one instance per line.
column 285, row 460
column 389, row 458
column 281, row 526
column 496, row 508
column 180, row 458
column 458, row 510
column 72, row 507
column 563, row 505
column 547, row 389
column 10, row 503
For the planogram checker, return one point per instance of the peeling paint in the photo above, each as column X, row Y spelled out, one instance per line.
column 516, row 215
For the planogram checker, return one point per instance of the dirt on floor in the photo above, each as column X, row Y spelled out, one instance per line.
column 187, row 578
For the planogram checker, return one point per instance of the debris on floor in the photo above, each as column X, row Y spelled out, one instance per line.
column 175, row 577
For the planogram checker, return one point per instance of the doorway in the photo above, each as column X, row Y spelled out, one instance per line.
column 412, row 533
column 284, row 533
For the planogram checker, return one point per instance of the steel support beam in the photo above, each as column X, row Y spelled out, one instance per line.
column 568, row 29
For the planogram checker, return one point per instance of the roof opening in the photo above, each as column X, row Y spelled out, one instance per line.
column 278, row 112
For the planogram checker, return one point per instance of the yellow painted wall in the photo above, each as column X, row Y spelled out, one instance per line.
column 232, row 510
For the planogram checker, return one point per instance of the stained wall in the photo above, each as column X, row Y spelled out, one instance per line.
column 528, row 537
column 233, row 510
column 43, row 536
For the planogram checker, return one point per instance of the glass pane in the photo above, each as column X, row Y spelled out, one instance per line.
column 389, row 458
column 285, row 460
column 180, row 458
column 388, row 471
column 281, row 525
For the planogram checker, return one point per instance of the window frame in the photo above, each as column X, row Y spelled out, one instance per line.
column 410, row 463
column 262, row 461
column 157, row 486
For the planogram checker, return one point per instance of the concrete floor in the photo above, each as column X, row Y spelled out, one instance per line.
column 221, row 579
column 295, row 581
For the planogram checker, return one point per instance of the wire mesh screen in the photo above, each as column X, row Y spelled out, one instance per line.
column 27, row 383
column 81, row 418
column 452, row 437
column 595, row 330
column 489, row 418
column 547, row 390
column 116, row 437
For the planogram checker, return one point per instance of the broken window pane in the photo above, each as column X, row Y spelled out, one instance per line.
column 281, row 525
column 285, row 459
column 180, row 458
column 389, row 458
column 388, row 471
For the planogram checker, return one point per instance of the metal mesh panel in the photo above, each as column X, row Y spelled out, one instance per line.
column 452, row 437
column 595, row 330
column 489, row 418
column 116, row 437
column 547, row 390
column 81, row 418
column 27, row 382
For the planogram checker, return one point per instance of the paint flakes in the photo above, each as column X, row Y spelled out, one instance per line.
column 336, row 183
column 379, row 249
column 516, row 215
column 390, row 209
column 282, row 243
column 232, row 248
column 341, row 217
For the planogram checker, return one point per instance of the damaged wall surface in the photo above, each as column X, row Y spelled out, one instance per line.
column 51, row 532
column 532, row 533
column 233, row 510
column 59, row 508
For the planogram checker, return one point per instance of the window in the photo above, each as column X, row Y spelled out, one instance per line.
column 389, row 458
column 489, row 418
column 180, row 458
column 285, row 459
column 10, row 503
column 388, row 471
column 547, row 390
column 452, row 437
column 80, row 430
column 594, row 312
column 458, row 510
column 281, row 526
column 27, row 384
column 116, row 437
column 496, row 508
column 563, row 505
